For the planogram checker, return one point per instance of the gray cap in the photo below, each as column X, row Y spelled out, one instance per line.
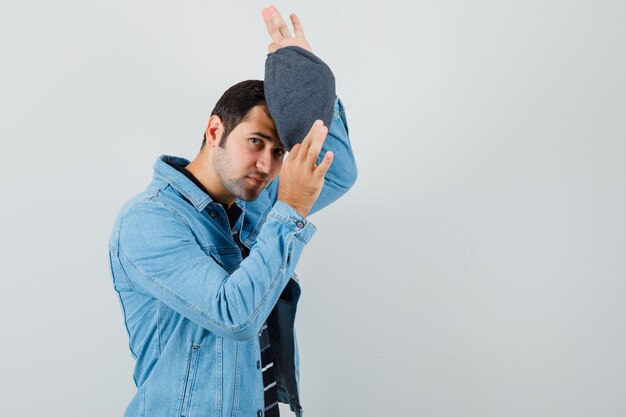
column 299, row 89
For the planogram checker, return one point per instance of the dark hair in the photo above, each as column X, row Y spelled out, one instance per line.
column 236, row 103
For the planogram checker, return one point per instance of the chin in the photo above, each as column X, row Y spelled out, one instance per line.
column 250, row 196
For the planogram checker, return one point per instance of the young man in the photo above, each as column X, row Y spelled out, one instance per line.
column 203, row 260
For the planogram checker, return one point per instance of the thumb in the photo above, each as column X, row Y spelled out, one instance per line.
column 273, row 47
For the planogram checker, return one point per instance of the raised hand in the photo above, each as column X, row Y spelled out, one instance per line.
column 280, row 33
column 301, row 179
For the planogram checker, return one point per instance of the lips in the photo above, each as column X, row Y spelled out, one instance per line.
column 256, row 180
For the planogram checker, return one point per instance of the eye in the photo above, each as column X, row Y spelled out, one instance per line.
column 255, row 141
column 279, row 152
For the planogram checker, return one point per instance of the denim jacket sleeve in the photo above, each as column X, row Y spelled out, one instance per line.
column 342, row 173
column 158, row 252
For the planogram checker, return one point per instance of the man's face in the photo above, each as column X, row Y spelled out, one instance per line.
column 251, row 157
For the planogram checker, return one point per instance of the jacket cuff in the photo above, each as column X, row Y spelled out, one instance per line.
column 290, row 217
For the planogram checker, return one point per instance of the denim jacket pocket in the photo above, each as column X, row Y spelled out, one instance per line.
column 190, row 379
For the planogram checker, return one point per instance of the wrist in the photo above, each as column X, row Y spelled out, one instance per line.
column 303, row 211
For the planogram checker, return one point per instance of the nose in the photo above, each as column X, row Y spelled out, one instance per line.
column 264, row 163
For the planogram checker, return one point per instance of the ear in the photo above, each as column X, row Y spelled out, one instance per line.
column 214, row 131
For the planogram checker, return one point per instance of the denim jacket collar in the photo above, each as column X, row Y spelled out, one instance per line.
column 182, row 184
column 197, row 197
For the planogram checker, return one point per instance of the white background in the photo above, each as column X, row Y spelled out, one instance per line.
column 477, row 268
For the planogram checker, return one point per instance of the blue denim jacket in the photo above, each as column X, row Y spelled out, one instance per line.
column 193, row 308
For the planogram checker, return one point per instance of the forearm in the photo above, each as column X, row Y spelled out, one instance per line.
column 158, row 254
column 343, row 172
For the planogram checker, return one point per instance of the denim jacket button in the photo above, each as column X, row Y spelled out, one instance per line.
column 259, row 413
column 258, row 364
column 212, row 214
column 300, row 224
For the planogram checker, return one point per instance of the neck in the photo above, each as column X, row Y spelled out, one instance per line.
column 202, row 168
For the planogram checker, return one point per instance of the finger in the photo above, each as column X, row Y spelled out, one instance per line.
column 316, row 146
column 280, row 23
column 306, row 143
column 272, row 29
column 293, row 153
column 273, row 47
column 297, row 26
column 322, row 168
